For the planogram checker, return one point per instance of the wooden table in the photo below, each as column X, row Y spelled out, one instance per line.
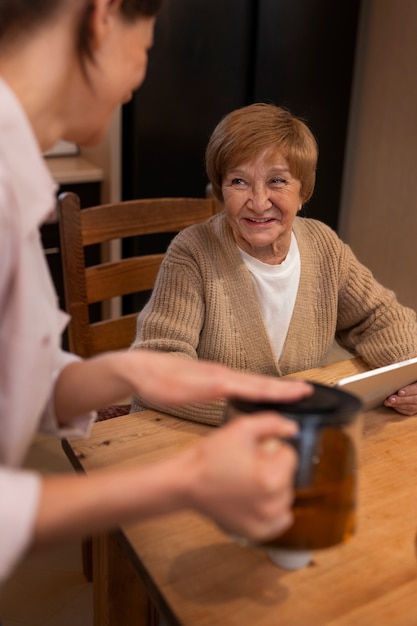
column 196, row 576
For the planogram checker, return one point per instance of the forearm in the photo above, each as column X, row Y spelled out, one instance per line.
column 98, row 382
column 388, row 335
column 74, row 506
column 210, row 413
column 371, row 322
column 231, row 475
column 158, row 377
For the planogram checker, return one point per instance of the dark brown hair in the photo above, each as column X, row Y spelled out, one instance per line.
column 17, row 17
column 129, row 10
column 245, row 133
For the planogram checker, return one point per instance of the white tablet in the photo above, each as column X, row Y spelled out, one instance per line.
column 375, row 386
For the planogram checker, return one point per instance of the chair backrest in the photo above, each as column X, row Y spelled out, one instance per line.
column 84, row 285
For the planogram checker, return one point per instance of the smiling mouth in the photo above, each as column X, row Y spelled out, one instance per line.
column 264, row 220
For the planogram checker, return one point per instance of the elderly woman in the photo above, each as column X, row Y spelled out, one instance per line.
column 261, row 289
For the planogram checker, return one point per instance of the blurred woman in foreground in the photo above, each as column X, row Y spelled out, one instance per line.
column 65, row 65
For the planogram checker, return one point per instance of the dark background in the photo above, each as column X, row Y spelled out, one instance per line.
column 212, row 56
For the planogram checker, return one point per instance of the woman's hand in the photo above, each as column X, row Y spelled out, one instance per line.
column 404, row 401
column 172, row 379
column 242, row 476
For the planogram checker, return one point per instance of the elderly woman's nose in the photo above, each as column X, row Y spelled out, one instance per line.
column 260, row 196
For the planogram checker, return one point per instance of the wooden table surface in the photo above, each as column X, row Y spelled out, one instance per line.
column 197, row 576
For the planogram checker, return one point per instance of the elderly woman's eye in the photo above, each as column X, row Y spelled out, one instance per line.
column 278, row 180
column 238, row 181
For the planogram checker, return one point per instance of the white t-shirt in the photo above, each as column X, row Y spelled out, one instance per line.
column 30, row 326
column 276, row 287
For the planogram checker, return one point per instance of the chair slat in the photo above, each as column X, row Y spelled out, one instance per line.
column 142, row 217
column 122, row 277
column 113, row 334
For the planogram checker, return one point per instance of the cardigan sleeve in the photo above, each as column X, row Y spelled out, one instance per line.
column 365, row 317
column 371, row 322
column 171, row 322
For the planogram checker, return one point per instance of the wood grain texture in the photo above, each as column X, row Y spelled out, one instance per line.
column 119, row 593
column 197, row 576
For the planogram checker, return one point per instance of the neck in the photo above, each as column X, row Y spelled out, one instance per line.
column 274, row 254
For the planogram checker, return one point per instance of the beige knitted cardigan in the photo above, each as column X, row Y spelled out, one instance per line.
column 204, row 306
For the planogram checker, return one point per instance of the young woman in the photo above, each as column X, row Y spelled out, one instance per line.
column 65, row 65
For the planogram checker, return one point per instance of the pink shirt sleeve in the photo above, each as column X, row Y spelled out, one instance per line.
column 31, row 359
column 19, row 496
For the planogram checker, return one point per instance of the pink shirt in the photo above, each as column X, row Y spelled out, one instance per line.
column 30, row 326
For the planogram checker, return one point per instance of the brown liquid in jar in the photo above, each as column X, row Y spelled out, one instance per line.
column 324, row 513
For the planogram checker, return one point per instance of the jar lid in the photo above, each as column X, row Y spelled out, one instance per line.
column 325, row 402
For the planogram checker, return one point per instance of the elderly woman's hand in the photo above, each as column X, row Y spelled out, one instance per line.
column 404, row 401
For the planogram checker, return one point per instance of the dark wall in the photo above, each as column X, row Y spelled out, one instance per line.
column 197, row 72
column 304, row 61
column 213, row 56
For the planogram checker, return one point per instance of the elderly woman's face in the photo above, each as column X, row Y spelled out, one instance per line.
column 261, row 200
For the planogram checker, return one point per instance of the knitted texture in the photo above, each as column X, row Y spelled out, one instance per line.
column 204, row 306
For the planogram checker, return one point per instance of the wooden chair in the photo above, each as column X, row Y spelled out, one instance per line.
column 85, row 285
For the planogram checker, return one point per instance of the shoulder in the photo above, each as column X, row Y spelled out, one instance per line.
column 208, row 245
column 308, row 226
column 208, row 227
column 199, row 235
column 312, row 232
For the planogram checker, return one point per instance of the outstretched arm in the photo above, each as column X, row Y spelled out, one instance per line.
column 230, row 476
column 160, row 377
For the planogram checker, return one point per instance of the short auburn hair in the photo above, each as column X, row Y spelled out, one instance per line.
column 245, row 133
